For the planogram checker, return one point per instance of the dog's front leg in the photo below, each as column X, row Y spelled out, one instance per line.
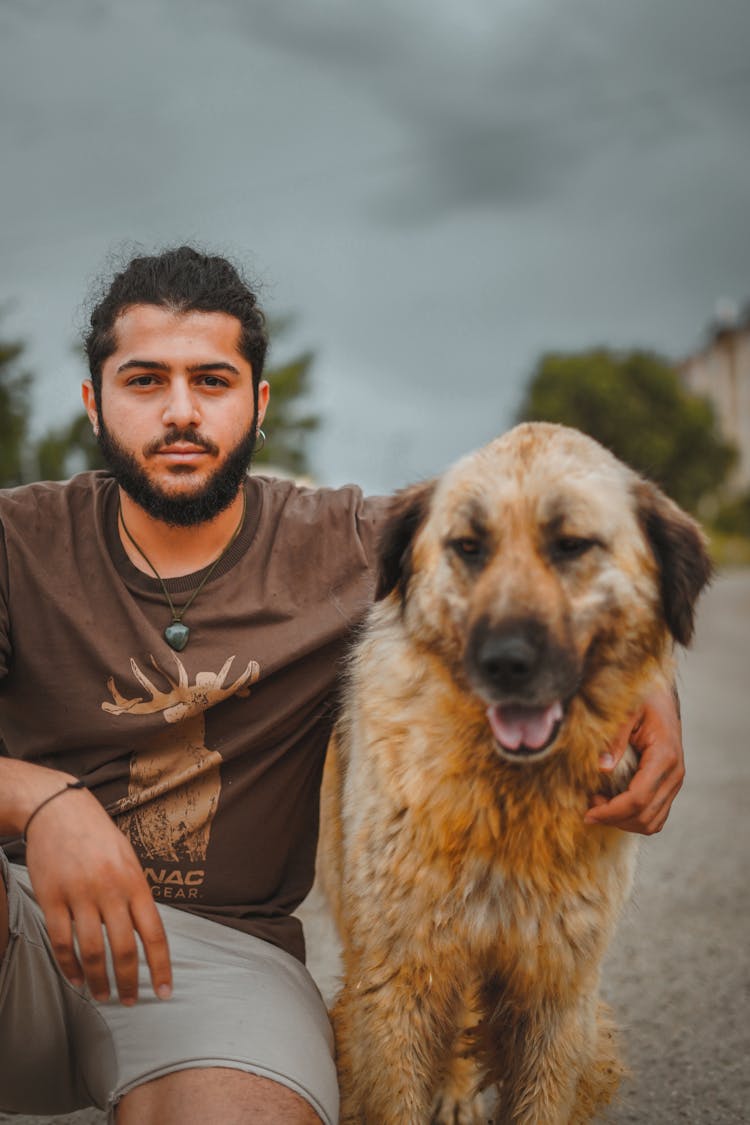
column 459, row 1101
column 394, row 1030
column 550, row 1049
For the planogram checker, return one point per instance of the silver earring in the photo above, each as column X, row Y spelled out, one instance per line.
column 260, row 440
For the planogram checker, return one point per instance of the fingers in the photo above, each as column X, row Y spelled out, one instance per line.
column 89, row 965
column 614, row 752
column 656, row 736
column 149, row 925
column 91, row 913
column 92, row 951
column 645, row 804
column 124, row 949
column 60, row 931
column 634, row 811
column 123, row 925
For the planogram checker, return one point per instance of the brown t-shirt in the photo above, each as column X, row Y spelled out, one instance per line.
column 210, row 760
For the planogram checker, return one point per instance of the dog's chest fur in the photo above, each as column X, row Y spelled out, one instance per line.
column 492, row 861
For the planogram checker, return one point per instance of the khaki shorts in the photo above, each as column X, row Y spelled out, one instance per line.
column 237, row 1002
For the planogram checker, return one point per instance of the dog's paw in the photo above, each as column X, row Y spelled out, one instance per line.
column 449, row 1110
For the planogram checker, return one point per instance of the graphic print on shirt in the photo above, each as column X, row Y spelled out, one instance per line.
column 175, row 781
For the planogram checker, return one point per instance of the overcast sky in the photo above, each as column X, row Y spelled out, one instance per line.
column 439, row 190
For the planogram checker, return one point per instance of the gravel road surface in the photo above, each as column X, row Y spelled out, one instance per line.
column 678, row 974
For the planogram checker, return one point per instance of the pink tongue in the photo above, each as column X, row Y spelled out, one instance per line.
column 514, row 725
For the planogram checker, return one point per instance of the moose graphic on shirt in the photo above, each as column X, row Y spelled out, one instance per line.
column 175, row 781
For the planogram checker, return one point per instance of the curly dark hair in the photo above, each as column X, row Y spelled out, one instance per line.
column 182, row 279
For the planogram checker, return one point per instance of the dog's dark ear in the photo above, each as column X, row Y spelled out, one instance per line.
column 680, row 550
column 407, row 513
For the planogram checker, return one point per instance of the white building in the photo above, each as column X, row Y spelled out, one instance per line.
column 721, row 373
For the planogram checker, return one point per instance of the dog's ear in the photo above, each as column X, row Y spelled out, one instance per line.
column 407, row 513
column 680, row 550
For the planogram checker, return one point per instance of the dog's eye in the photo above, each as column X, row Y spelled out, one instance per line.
column 571, row 546
column 467, row 548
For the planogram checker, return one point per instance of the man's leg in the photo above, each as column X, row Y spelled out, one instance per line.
column 4, row 931
column 39, row 1012
column 233, row 1097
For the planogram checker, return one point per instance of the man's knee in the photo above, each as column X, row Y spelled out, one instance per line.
column 234, row 1097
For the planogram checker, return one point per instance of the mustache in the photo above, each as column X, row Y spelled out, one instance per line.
column 190, row 436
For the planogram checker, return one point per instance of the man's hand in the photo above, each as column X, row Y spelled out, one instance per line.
column 87, row 879
column 655, row 734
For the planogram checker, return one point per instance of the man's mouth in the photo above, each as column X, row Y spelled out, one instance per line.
column 180, row 445
column 181, row 451
column 524, row 733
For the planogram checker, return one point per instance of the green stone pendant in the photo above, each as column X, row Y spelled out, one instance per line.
column 177, row 635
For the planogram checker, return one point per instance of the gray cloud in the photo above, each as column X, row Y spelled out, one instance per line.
column 500, row 106
column 440, row 189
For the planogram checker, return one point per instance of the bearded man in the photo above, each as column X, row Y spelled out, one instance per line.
column 169, row 635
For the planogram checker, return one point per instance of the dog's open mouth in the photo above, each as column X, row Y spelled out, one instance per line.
column 524, row 733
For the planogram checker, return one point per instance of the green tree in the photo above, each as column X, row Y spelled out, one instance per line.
column 15, row 385
column 634, row 403
column 733, row 516
column 287, row 427
column 65, row 450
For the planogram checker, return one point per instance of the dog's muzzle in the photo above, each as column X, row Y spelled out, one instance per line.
column 526, row 678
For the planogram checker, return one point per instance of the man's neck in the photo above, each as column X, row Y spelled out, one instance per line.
column 175, row 551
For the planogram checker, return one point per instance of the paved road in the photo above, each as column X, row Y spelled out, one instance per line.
column 678, row 975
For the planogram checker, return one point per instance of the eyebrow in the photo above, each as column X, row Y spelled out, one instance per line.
column 475, row 515
column 154, row 365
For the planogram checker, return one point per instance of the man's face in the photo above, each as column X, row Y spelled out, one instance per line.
column 178, row 413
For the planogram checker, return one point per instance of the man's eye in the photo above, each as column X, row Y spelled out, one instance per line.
column 213, row 381
column 571, row 546
column 141, row 381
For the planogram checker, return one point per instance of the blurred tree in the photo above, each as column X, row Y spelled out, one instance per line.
column 287, row 428
column 65, row 450
column 634, row 403
column 733, row 517
column 15, row 385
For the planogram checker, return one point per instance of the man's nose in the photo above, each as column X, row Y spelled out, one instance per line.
column 181, row 408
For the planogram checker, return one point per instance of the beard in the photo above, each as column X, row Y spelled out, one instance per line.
column 214, row 496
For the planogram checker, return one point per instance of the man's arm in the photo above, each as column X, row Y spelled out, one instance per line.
column 655, row 734
column 86, row 876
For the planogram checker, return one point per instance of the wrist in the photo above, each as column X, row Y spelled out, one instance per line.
column 61, row 792
column 23, row 786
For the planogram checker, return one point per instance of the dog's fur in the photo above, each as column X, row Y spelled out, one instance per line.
column 474, row 903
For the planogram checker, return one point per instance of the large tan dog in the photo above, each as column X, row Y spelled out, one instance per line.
column 528, row 600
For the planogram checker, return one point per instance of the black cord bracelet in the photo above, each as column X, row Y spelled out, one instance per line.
column 46, row 801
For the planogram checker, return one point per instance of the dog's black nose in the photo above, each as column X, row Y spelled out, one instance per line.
column 508, row 659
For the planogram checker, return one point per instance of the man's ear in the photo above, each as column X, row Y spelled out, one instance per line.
column 264, row 393
column 89, row 402
column 408, row 512
column 681, row 553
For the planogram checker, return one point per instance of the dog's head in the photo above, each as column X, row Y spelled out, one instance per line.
column 534, row 568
